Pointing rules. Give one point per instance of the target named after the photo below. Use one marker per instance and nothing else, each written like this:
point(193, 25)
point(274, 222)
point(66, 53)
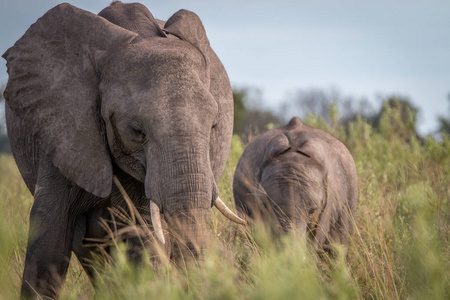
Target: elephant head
point(123, 89)
point(298, 176)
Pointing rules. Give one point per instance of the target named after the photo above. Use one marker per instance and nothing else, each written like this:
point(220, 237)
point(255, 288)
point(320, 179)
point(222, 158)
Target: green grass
point(400, 248)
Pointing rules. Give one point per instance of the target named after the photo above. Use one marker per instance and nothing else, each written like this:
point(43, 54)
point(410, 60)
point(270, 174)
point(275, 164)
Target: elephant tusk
point(227, 212)
point(156, 221)
point(154, 211)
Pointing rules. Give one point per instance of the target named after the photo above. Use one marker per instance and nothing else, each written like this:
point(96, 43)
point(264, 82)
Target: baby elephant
point(299, 177)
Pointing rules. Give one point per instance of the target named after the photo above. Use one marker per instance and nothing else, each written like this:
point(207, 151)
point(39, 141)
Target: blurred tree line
point(444, 121)
point(396, 116)
point(251, 118)
point(4, 142)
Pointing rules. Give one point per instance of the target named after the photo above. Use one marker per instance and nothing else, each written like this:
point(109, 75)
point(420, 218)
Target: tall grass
point(400, 247)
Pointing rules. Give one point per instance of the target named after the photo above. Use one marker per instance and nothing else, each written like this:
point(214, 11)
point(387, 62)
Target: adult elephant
point(119, 94)
point(302, 177)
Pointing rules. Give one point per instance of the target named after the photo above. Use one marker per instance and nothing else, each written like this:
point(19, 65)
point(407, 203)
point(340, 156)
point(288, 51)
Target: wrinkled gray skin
point(298, 176)
point(119, 93)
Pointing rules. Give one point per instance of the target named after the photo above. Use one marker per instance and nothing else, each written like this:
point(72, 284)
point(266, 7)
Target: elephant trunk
point(187, 211)
point(181, 188)
point(295, 194)
point(188, 234)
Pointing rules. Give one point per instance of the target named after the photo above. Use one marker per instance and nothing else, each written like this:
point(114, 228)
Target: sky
point(362, 48)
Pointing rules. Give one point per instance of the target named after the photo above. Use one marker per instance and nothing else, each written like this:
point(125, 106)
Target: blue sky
point(362, 48)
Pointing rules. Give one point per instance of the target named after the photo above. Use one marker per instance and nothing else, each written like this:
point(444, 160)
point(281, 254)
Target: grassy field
point(400, 247)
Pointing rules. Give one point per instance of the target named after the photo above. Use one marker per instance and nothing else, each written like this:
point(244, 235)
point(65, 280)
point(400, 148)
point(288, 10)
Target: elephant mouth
point(155, 212)
point(132, 162)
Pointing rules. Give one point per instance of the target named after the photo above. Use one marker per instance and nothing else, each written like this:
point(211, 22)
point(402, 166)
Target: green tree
point(239, 110)
point(444, 122)
point(397, 118)
point(250, 117)
point(4, 142)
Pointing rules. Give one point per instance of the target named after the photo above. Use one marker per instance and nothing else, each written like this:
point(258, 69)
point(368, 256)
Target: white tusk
point(156, 221)
point(154, 211)
point(227, 212)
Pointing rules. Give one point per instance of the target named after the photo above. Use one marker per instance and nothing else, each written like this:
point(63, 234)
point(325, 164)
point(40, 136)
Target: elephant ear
point(278, 145)
point(187, 26)
point(53, 88)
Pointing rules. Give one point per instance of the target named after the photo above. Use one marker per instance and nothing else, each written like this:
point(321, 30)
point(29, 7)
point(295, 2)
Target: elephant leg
point(49, 246)
point(52, 223)
point(87, 242)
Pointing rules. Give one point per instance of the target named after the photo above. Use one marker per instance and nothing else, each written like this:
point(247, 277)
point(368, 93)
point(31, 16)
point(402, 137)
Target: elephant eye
point(282, 151)
point(138, 133)
point(304, 153)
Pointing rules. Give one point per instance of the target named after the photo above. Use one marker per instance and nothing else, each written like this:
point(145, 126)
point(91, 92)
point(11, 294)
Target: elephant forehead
point(161, 98)
point(160, 56)
point(293, 164)
point(153, 77)
point(319, 141)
